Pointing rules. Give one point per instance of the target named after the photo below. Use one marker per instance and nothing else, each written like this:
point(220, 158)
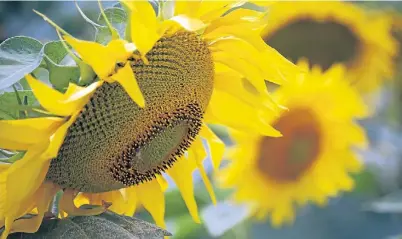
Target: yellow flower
point(190, 68)
point(312, 160)
point(335, 32)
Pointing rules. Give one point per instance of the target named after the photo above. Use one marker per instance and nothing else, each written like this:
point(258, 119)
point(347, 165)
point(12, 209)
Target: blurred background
point(372, 211)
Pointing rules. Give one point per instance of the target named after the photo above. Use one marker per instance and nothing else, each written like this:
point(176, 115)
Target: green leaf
point(118, 18)
point(103, 35)
point(13, 158)
point(187, 228)
point(365, 184)
point(18, 56)
point(178, 208)
point(221, 131)
point(105, 226)
point(60, 75)
point(9, 106)
point(5, 154)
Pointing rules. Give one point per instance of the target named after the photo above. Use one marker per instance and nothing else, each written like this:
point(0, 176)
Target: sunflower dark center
point(322, 43)
point(115, 144)
point(287, 158)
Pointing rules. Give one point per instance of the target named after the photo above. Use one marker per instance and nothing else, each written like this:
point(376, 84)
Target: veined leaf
point(60, 73)
point(18, 56)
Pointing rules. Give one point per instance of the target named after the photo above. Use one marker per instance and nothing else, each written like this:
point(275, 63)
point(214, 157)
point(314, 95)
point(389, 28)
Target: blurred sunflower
point(312, 160)
point(335, 32)
point(145, 114)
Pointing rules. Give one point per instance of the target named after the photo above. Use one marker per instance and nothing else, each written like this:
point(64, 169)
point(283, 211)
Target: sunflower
point(335, 32)
point(312, 160)
point(145, 113)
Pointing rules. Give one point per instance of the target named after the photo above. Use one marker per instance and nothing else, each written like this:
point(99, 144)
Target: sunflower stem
point(23, 113)
point(95, 25)
point(113, 31)
point(51, 22)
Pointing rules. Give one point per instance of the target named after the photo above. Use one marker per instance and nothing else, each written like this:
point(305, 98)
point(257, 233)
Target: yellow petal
point(24, 133)
point(263, 3)
point(57, 139)
point(248, 17)
point(119, 205)
point(48, 98)
point(132, 200)
point(125, 76)
point(144, 10)
point(251, 36)
point(77, 97)
point(120, 50)
point(197, 153)
point(58, 103)
point(189, 8)
point(210, 10)
point(116, 198)
point(43, 198)
point(162, 182)
point(94, 54)
point(40, 199)
point(251, 72)
point(67, 205)
point(73, 89)
point(242, 89)
point(151, 197)
point(144, 27)
point(216, 146)
point(21, 180)
point(83, 199)
point(190, 24)
point(181, 173)
point(4, 167)
point(226, 109)
point(101, 58)
point(242, 49)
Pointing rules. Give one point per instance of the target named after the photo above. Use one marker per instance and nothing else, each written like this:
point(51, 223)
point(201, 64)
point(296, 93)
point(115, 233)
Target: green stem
point(113, 31)
point(51, 23)
point(24, 113)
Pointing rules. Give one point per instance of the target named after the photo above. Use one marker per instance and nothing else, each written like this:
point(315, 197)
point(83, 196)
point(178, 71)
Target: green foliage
point(107, 225)
point(18, 56)
point(117, 17)
point(12, 105)
point(177, 211)
point(59, 74)
point(365, 184)
point(187, 228)
point(12, 157)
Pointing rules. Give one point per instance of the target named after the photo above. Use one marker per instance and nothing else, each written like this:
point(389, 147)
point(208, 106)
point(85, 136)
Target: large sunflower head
point(150, 101)
point(335, 32)
point(313, 158)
